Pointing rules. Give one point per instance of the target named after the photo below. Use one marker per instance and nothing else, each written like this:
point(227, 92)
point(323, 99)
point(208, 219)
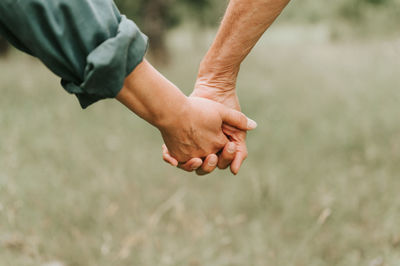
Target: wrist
point(217, 76)
point(172, 113)
point(153, 97)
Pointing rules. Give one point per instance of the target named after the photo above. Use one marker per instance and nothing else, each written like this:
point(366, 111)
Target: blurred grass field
point(320, 187)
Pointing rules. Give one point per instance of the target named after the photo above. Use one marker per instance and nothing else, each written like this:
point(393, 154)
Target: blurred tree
point(155, 17)
point(3, 46)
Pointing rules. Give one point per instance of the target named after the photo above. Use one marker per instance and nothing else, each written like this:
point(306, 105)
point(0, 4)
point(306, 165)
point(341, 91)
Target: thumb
point(237, 119)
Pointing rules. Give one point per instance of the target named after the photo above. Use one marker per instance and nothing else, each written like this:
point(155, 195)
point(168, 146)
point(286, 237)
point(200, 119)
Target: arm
point(242, 26)
point(87, 43)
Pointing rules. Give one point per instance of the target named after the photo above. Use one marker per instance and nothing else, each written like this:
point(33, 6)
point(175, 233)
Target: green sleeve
point(87, 43)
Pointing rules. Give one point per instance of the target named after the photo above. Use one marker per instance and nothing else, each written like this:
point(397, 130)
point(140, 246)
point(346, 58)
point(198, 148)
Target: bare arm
point(243, 24)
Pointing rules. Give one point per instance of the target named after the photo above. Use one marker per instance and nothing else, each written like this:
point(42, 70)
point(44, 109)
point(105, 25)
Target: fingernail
point(231, 148)
point(213, 161)
point(194, 166)
point(251, 124)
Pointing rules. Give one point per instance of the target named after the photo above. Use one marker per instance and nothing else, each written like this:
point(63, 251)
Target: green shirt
point(87, 43)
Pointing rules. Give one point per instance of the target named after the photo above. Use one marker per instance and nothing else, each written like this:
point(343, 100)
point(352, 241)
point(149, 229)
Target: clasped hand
point(194, 128)
point(231, 149)
point(201, 131)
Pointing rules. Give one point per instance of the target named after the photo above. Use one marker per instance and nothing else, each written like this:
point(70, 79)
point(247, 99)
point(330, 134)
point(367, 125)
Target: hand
point(197, 130)
point(235, 152)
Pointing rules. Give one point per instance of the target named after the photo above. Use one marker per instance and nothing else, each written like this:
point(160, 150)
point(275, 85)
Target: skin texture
point(242, 26)
point(190, 126)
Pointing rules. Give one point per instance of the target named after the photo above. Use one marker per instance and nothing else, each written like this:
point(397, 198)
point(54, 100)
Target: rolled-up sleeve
point(87, 43)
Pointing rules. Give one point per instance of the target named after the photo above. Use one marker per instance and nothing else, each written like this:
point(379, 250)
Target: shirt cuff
point(109, 64)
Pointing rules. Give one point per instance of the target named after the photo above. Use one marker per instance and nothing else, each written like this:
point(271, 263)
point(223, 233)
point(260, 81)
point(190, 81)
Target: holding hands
point(198, 131)
point(209, 130)
point(234, 151)
point(242, 26)
point(192, 127)
point(216, 81)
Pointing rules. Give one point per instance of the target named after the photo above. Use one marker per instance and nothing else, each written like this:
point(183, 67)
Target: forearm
point(243, 25)
point(151, 96)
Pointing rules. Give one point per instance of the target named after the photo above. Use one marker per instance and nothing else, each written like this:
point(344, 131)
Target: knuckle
point(229, 156)
point(185, 168)
point(206, 170)
point(223, 166)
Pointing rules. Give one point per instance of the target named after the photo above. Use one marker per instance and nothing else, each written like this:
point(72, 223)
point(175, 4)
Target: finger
point(237, 119)
point(227, 155)
point(209, 165)
point(230, 131)
point(167, 157)
point(237, 162)
point(239, 138)
point(191, 165)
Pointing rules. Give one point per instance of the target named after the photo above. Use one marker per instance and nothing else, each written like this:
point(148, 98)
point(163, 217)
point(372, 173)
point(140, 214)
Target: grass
point(321, 185)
